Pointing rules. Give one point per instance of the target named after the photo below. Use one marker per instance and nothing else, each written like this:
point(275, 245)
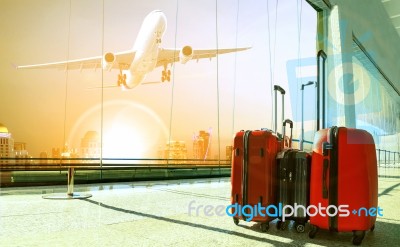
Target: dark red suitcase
point(253, 173)
point(344, 180)
point(294, 168)
point(293, 185)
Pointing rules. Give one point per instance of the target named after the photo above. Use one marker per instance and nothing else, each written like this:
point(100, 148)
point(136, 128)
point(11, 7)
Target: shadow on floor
point(386, 232)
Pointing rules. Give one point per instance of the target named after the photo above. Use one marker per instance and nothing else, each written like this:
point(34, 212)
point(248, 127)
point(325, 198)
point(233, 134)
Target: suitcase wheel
point(313, 231)
point(372, 228)
point(281, 225)
point(236, 221)
point(358, 237)
point(299, 227)
point(264, 227)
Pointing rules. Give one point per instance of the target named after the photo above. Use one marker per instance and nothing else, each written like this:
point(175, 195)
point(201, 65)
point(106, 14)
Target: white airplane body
point(144, 57)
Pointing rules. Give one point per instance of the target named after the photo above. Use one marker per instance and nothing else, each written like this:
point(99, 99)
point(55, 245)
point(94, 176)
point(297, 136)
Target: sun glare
point(130, 130)
point(123, 141)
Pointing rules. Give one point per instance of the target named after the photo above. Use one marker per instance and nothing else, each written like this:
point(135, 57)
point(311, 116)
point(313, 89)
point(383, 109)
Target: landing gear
point(122, 79)
point(165, 74)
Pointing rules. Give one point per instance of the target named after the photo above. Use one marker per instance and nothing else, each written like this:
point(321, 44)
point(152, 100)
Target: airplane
point(145, 55)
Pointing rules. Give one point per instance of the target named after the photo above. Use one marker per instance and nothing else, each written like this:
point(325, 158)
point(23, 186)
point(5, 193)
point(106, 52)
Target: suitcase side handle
point(325, 147)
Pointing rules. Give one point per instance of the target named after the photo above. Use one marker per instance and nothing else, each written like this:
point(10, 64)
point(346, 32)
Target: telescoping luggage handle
point(321, 87)
point(282, 91)
point(302, 110)
point(290, 122)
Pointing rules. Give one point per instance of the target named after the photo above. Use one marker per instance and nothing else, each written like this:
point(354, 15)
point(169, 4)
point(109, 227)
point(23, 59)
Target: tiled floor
point(157, 214)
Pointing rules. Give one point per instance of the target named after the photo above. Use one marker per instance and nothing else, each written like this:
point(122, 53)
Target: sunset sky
point(47, 108)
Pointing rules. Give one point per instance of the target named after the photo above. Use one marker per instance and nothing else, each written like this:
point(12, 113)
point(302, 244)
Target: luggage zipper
point(245, 167)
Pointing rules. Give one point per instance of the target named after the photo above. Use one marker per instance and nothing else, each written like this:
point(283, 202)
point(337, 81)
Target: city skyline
point(90, 147)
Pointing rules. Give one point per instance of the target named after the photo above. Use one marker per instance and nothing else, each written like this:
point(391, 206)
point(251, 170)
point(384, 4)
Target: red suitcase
point(344, 181)
point(253, 175)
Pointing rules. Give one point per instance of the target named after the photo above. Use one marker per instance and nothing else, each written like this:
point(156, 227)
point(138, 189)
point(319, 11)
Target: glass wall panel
point(180, 110)
point(377, 104)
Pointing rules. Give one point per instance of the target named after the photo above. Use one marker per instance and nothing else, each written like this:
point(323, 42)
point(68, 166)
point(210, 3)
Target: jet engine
point(108, 61)
point(185, 54)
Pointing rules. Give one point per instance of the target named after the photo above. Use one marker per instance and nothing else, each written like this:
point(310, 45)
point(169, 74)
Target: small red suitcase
point(344, 181)
point(253, 174)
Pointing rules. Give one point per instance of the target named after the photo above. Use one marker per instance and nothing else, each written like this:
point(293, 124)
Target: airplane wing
point(122, 60)
point(168, 56)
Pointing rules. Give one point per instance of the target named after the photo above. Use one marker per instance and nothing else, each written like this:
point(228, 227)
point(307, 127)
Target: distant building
point(175, 150)
point(6, 144)
point(43, 157)
point(202, 145)
point(21, 152)
point(64, 153)
point(69, 152)
point(90, 145)
point(228, 152)
point(55, 154)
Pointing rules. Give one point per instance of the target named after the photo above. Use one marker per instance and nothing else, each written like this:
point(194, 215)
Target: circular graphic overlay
point(360, 79)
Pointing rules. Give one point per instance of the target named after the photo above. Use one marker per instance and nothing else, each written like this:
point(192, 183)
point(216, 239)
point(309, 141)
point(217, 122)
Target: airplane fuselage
point(145, 55)
point(147, 47)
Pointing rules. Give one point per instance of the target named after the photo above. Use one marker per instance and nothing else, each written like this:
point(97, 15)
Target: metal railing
point(387, 157)
point(388, 163)
point(13, 171)
point(51, 164)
